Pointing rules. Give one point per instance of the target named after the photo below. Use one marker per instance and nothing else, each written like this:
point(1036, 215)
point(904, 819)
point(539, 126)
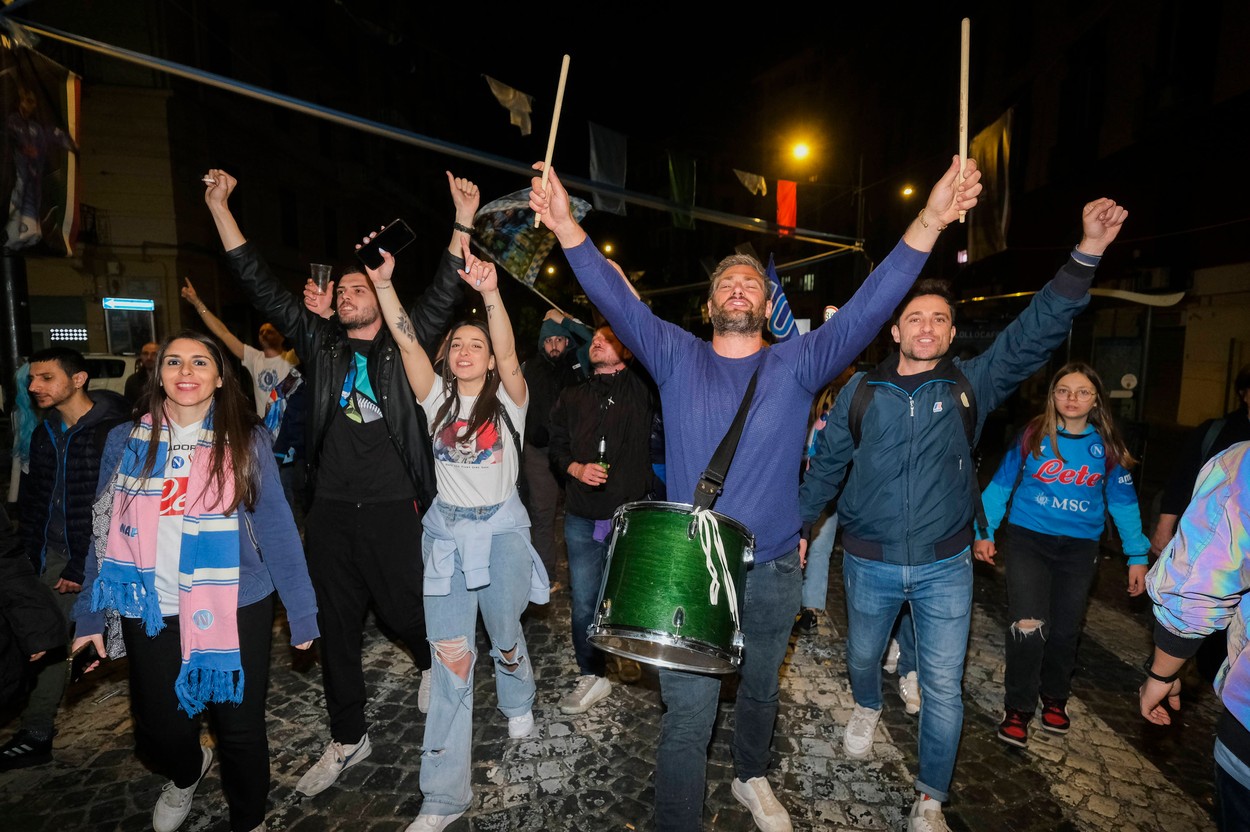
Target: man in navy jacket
point(906, 506)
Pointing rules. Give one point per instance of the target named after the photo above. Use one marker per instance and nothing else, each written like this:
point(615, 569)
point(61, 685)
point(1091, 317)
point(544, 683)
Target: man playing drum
point(701, 386)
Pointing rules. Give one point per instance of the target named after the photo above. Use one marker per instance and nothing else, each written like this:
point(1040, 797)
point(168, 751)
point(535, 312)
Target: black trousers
point(1049, 578)
point(361, 554)
point(168, 740)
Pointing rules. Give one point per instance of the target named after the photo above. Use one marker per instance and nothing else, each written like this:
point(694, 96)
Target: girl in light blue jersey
point(1055, 486)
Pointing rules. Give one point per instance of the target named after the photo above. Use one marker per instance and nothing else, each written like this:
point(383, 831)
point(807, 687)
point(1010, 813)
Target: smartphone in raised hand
point(393, 238)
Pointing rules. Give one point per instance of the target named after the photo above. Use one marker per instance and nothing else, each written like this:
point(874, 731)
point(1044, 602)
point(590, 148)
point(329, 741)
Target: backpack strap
point(860, 400)
point(516, 439)
point(1208, 439)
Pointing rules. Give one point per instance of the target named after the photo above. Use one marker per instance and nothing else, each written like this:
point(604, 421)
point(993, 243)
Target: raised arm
point(430, 313)
point(211, 321)
point(303, 328)
point(482, 276)
point(218, 185)
point(416, 362)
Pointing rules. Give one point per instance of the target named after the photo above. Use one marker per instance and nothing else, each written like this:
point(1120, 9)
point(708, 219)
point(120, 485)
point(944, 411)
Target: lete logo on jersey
point(1052, 470)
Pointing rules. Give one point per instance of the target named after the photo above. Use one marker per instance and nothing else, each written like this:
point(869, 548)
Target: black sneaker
point(806, 622)
point(24, 751)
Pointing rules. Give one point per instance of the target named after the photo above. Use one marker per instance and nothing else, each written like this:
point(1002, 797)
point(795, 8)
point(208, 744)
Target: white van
point(109, 372)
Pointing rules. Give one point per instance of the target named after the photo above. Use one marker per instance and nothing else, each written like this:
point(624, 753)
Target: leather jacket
point(326, 353)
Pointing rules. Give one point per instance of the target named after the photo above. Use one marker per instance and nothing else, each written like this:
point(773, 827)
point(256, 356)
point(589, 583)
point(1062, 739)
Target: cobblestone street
point(1112, 772)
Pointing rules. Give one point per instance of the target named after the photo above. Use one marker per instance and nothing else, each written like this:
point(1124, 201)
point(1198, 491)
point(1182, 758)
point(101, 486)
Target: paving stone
point(595, 771)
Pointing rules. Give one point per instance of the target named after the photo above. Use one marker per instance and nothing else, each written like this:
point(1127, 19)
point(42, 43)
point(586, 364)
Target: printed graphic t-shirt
point(267, 373)
point(479, 469)
point(359, 462)
point(182, 441)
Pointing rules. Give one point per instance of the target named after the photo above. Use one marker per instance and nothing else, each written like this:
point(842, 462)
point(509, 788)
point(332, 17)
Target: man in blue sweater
point(701, 386)
point(906, 507)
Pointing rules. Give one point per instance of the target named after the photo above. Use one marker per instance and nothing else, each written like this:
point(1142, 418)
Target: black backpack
point(967, 397)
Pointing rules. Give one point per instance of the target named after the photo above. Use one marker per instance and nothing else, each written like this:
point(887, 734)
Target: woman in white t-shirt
point(476, 547)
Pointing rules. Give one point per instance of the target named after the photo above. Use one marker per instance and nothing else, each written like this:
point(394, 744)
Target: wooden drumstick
point(963, 103)
point(555, 122)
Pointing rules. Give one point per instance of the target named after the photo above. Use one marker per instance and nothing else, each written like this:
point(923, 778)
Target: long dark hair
point(486, 408)
point(1046, 423)
point(234, 420)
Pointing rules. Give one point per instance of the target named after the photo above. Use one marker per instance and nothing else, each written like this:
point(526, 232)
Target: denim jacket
point(471, 537)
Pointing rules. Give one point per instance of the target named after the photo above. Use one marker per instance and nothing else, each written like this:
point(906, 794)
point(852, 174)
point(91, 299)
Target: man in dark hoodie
point(55, 504)
point(556, 366)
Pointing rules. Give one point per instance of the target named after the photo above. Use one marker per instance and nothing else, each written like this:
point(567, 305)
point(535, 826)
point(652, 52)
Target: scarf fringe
point(131, 600)
point(197, 686)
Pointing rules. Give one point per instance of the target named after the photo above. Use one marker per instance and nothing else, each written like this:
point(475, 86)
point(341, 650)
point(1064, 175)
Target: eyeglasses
point(1084, 394)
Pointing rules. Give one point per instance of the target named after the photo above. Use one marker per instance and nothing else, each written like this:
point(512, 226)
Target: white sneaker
point(757, 795)
point(520, 727)
point(174, 804)
point(891, 657)
point(432, 823)
point(926, 816)
point(335, 758)
point(589, 691)
point(423, 690)
point(909, 689)
point(857, 741)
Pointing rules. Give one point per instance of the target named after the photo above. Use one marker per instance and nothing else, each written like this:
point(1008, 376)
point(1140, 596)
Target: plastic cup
point(321, 275)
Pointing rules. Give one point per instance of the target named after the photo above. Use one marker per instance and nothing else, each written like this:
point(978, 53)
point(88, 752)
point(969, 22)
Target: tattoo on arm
point(405, 327)
point(490, 308)
point(516, 371)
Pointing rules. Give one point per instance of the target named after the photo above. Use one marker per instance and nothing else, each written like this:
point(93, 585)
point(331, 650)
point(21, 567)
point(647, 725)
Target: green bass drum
point(673, 588)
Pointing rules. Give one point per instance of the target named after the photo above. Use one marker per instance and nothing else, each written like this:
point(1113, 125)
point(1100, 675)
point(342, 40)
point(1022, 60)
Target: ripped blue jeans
point(451, 625)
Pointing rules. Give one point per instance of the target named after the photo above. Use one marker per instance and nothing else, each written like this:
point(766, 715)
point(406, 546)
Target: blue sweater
point(1066, 497)
point(700, 391)
point(282, 565)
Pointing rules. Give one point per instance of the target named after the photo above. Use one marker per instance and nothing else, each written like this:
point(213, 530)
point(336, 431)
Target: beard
point(359, 317)
point(738, 322)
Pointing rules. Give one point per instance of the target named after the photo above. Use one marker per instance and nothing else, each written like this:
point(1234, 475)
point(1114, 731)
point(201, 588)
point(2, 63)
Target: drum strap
point(713, 479)
point(710, 540)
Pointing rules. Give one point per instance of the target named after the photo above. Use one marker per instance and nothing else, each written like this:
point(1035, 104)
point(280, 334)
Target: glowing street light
point(908, 190)
point(551, 270)
point(801, 150)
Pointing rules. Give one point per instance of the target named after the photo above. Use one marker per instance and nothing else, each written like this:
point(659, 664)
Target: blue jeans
point(587, 557)
point(771, 601)
point(816, 573)
point(940, 595)
point(446, 754)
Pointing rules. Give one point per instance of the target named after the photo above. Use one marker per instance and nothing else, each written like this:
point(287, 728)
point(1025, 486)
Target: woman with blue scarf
point(195, 501)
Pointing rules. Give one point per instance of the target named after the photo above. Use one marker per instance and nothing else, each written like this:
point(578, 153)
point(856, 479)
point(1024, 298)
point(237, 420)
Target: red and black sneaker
point(1055, 715)
point(1014, 729)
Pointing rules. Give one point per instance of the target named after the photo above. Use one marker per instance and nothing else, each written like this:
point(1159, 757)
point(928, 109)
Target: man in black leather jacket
point(369, 461)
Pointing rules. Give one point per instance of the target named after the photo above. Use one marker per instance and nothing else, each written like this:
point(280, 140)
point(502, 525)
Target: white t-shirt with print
point(476, 470)
point(173, 507)
point(267, 373)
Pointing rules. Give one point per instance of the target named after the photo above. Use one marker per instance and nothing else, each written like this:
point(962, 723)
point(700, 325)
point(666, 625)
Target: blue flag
point(781, 324)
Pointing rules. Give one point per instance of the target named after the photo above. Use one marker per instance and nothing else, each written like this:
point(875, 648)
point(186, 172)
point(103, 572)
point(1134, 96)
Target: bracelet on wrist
point(385, 285)
point(1149, 668)
point(924, 224)
point(464, 229)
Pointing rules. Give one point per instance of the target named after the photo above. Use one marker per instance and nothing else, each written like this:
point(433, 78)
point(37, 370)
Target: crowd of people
point(162, 526)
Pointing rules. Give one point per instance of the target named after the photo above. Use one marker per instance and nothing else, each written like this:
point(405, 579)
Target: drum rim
point(687, 508)
point(666, 639)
